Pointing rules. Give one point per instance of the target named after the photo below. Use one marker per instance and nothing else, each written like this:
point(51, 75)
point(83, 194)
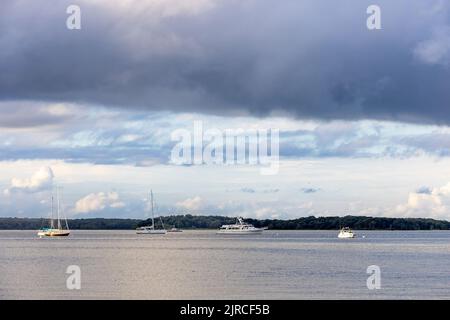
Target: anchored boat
point(346, 233)
point(240, 227)
point(58, 230)
point(151, 229)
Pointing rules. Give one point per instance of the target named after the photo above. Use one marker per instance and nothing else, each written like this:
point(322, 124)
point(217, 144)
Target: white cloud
point(98, 201)
point(265, 213)
point(191, 203)
point(433, 204)
point(40, 180)
point(435, 50)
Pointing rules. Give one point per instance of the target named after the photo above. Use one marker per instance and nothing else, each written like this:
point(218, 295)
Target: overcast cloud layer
point(310, 58)
point(94, 109)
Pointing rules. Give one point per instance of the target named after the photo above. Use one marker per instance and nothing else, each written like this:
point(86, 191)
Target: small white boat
point(346, 233)
point(59, 230)
point(174, 229)
point(240, 227)
point(151, 229)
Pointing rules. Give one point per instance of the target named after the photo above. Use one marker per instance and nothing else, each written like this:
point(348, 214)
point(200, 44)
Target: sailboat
point(58, 230)
point(151, 229)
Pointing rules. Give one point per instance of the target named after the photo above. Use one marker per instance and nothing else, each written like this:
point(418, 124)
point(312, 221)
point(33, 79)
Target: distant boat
point(240, 227)
point(346, 233)
point(174, 229)
point(151, 229)
point(52, 230)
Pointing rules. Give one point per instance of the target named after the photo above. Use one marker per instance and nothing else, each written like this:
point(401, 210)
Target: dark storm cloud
point(309, 59)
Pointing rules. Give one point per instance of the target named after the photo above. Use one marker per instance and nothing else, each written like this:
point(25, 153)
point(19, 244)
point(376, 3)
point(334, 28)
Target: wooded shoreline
point(213, 222)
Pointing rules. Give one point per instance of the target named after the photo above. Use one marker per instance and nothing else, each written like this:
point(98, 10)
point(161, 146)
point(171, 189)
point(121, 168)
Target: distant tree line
point(213, 222)
point(74, 224)
point(354, 222)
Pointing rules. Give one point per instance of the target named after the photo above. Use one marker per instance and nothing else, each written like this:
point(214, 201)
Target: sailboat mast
point(67, 224)
point(153, 215)
point(52, 226)
point(59, 206)
point(63, 214)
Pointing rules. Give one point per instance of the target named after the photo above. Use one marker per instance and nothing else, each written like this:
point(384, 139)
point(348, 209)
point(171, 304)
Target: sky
point(362, 114)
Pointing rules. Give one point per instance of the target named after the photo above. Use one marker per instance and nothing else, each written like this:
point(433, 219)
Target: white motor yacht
point(346, 233)
point(240, 227)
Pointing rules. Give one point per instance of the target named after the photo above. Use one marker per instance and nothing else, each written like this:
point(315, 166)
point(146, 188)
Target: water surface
point(203, 265)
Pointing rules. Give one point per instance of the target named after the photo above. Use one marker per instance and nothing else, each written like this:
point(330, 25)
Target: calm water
point(203, 265)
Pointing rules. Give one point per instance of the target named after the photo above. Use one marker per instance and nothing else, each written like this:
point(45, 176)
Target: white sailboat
point(151, 229)
point(58, 230)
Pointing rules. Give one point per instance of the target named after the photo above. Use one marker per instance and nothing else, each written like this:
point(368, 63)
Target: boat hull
point(53, 234)
point(151, 232)
point(238, 232)
point(346, 236)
